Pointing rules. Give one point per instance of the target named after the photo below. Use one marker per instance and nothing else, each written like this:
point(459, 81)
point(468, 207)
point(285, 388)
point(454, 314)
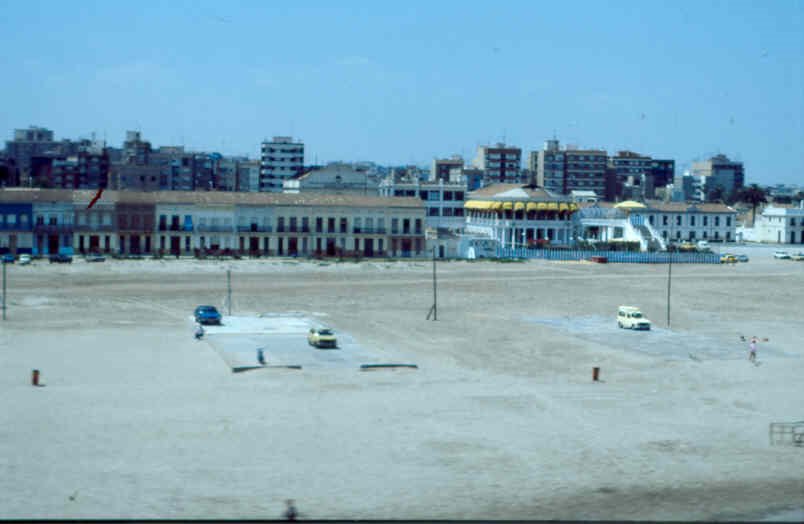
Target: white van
point(630, 317)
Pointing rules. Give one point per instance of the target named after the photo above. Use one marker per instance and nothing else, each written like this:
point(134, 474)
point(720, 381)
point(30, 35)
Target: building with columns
point(520, 216)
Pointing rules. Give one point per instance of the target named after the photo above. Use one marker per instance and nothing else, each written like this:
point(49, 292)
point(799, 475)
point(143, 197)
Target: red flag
point(95, 198)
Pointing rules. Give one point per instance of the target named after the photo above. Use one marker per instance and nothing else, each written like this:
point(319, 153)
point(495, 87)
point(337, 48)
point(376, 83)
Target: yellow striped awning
point(508, 205)
point(563, 206)
point(552, 206)
point(532, 206)
point(519, 206)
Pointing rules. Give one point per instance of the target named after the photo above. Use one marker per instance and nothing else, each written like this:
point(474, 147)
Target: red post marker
point(35, 377)
point(595, 374)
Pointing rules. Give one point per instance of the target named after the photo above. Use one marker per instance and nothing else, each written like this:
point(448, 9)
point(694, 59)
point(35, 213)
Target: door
point(368, 247)
point(175, 245)
point(53, 244)
point(253, 244)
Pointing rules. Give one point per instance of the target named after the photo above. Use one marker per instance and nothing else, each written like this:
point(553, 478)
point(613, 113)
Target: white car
point(630, 317)
point(25, 259)
point(781, 255)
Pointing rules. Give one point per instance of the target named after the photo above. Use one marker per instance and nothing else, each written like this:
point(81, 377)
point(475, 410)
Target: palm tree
point(753, 195)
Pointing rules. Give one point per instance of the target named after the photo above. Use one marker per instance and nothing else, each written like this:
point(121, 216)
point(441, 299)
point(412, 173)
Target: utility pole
point(434, 308)
point(229, 290)
point(669, 280)
point(4, 290)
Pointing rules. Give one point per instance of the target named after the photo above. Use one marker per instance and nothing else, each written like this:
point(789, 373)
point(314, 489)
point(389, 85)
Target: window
point(394, 226)
point(432, 212)
point(305, 224)
point(319, 224)
point(717, 221)
point(343, 225)
point(358, 223)
point(330, 224)
point(459, 195)
point(433, 196)
point(678, 220)
point(293, 224)
point(650, 219)
point(447, 195)
point(458, 212)
point(692, 220)
point(280, 224)
point(381, 225)
point(664, 220)
point(705, 220)
point(447, 211)
point(728, 223)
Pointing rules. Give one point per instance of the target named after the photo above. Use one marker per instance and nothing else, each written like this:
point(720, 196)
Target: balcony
point(254, 228)
point(208, 228)
point(95, 227)
point(53, 228)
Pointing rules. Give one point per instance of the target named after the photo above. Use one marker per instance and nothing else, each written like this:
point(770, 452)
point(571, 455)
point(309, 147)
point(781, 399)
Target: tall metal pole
point(669, 280)
point(435, 302)
point(229, 289)
point(4, 290)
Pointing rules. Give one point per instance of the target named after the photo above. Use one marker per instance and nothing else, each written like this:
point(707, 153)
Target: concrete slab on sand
point(658, 342)
point(283, 339)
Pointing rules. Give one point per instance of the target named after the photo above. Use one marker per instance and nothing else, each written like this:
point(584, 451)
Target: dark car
point(207, 315)
point(95, 257)
point(8, 258)
point(61, 259)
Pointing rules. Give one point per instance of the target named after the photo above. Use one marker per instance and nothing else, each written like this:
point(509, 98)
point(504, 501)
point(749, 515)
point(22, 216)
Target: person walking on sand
point(752, 350)
point(291, 513)
point(199, 332)
point(260, 357)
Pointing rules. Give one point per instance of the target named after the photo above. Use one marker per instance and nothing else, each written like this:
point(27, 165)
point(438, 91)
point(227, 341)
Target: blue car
point(207, 315)
point(8, 258)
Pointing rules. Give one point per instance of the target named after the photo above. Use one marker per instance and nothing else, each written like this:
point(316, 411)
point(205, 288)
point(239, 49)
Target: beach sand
point(501, 420)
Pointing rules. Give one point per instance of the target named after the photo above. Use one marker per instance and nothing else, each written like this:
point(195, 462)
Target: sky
point(403, 82)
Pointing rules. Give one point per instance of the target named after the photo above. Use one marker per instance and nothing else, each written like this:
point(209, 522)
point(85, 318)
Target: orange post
point(595, 373)
point(35, 377)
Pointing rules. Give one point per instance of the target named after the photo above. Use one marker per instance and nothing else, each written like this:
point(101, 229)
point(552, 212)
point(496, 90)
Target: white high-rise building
point(282, 158)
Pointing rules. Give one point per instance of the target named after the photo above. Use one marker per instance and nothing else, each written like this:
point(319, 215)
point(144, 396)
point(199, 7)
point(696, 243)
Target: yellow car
point(322, 338)
point(728, 259)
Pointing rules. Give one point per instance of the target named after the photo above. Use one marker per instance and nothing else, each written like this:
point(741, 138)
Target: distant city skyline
point(402, 84)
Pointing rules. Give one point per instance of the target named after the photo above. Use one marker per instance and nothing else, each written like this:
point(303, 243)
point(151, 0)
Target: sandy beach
point(501, 420)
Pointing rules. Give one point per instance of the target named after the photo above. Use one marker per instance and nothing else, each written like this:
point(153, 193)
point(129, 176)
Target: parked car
point(8, 258)
point(630, 317)
point(207, 315)
point(798, 256)
point(25, 259)
point(728, 258)
point(703, 244)
point(322, 338)
point(742, 258)
point(781, 255)
point(95, 257)
point(61, 259)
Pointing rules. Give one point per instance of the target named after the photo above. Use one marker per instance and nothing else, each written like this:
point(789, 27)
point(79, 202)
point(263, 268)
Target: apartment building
point(500, 163)
point(444, 200)
point(719, 174)
point(281, 159)
point(442, 167)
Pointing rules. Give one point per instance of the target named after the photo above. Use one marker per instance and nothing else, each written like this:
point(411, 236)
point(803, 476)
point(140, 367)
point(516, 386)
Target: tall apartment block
point(281, 159)
point(721, 172)
point(501, 163)
point(564, 170)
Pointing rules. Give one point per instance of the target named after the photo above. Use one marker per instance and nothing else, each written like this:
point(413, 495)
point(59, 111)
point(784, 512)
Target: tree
point(753, 195)
point(715, 194)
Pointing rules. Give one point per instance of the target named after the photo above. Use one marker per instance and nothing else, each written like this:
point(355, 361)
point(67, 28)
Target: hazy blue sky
point(401, 82)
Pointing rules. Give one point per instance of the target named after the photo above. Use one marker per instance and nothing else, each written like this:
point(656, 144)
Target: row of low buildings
point(46, 221)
